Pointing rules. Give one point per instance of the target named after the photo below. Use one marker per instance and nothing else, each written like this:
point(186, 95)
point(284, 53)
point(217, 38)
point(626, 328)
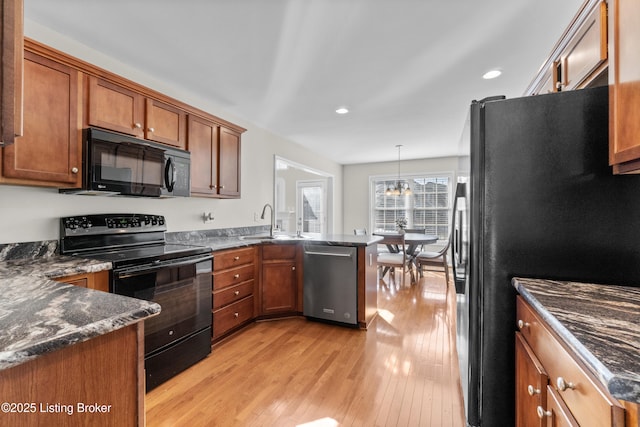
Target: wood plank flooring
point(402, 371)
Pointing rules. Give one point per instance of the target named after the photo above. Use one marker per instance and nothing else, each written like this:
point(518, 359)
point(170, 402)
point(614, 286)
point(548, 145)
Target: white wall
point(32, 214)
point(356, 188)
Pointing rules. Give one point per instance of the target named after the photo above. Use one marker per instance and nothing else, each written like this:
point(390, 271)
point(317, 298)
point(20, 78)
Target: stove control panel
point(111, 224)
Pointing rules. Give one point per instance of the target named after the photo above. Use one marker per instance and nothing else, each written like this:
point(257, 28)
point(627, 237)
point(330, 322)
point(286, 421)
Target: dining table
point(413, 245)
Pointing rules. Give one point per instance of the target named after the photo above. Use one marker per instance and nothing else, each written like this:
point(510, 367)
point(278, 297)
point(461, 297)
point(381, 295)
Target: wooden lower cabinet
point(98, 281)
point(531, 385)
point(574, 396)
point(100, 382)
point(281, 279)
point(234, 286)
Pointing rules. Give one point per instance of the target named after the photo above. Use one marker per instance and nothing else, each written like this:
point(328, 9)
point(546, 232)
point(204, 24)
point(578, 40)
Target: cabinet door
point(531, 385)
point(586, 51)
point(11, 63)
point(279, 287)
point(557, 414)
point(229, 163)
point(166, 124)
point(50, 149)
point(115, 107)
point(203, 144)
point(624, 89)
point(98, 280)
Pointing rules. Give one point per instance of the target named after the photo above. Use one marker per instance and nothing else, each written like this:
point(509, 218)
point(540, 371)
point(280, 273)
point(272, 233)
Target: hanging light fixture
point(400, 188)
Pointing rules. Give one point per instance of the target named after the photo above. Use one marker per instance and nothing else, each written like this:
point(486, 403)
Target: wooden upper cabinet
point(115, 107)
point(215, 159)
point(127, 111)
point(165, 124)
point(581, 57)
point(229, 163)
point(49, 152)
point(624, 86)
point(11, 63)
point(586, 51)
point(203, 145)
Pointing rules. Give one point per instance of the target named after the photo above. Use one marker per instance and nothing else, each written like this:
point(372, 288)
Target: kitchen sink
point(274, 237)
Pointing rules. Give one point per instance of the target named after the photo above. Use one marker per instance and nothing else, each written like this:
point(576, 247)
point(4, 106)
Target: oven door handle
point(139, 270)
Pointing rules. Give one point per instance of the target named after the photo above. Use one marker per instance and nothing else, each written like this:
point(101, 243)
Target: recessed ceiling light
point(491, 74)
point(342, 110)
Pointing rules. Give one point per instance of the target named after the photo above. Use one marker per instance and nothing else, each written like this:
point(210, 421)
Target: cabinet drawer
point(233, 276)
point(585, 397)
point(231, 316)
point(234, 258)
point(232, 294)
point(557, 411)
point(270, 252)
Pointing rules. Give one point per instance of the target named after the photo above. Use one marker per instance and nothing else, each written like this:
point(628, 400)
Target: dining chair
point(393, 260)
point(360, 231)
point(438, 257)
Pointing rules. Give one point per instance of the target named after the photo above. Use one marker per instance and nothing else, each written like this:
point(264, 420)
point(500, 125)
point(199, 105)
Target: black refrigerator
point(542, 203)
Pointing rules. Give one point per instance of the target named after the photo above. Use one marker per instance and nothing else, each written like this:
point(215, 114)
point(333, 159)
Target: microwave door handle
point(170, 174)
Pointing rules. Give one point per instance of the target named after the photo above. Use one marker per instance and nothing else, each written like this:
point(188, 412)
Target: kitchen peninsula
point(223, 241)
point(577, 352)
point(68, 351)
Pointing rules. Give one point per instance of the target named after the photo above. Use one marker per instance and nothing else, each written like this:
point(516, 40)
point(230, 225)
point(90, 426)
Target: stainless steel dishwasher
point(331, 283)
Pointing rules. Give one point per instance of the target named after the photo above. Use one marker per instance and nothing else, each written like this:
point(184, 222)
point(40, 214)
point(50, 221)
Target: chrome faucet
point(273, 218)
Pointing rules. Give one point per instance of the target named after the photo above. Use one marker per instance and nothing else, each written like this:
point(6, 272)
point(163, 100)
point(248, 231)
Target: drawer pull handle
point(236, 258)
point(236, 314)
point(532, 390)
point(562, 384)
point(236, 276)
point(522, 324)
point(236, 293)
point(542, 413)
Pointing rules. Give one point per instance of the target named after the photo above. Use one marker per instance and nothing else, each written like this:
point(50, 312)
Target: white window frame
point(440, 209)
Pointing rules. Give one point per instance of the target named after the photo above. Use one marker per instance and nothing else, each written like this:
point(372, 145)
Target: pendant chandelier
point(400, 188)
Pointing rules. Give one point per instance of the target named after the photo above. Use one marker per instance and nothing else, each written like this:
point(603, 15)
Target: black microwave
point(118, 164)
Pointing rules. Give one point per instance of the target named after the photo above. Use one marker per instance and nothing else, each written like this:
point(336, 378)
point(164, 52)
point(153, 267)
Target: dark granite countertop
point(38, 315)
point(219, 242)
point(600, 323)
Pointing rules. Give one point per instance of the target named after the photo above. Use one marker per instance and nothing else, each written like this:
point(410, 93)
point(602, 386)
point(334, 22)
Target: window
point(427, 207)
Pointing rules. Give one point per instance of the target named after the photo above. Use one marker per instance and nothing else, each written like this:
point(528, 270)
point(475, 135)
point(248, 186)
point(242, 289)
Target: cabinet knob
point(236, 293)
point(236, 276)
point(236, 314)
point(137, 125)
point(522, 324)
point(532, 390)
point(562, 384)
point(293, 269)
point(151, 130)
point(221, 187)
point(213, 187)
point(74, 170)
point(542, 413)
point(236, 258)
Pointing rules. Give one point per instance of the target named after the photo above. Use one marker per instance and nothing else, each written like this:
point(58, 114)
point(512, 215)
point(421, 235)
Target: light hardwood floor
point(402, 371)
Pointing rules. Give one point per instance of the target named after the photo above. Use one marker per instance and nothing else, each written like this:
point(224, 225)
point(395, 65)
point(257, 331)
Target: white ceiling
point(407, 69)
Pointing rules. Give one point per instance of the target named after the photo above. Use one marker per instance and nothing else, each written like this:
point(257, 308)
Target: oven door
point(181, 286)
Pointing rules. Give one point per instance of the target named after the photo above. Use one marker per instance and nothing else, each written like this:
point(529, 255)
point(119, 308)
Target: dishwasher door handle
point(328, 254)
